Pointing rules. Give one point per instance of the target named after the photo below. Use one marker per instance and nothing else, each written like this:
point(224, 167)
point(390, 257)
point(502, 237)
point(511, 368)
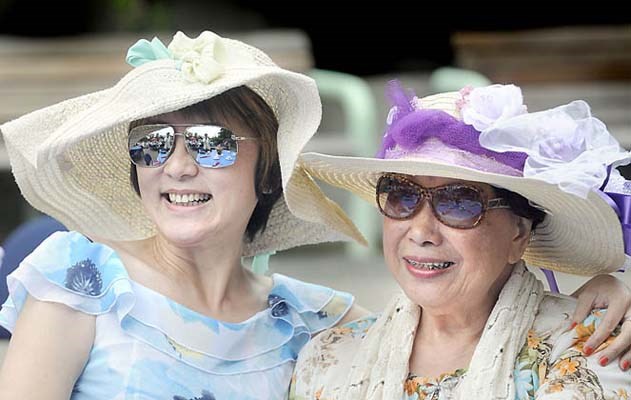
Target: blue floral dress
point(147, 346)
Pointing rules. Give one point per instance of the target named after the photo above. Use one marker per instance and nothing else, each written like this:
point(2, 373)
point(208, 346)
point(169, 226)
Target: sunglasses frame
point(428, 193)
point(237, 139)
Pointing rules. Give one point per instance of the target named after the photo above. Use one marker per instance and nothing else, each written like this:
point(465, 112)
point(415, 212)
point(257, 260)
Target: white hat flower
point(201, 57)
point(485, 106)
point(566, 146)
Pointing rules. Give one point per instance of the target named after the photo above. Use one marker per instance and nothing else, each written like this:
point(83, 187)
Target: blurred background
point(54, 50)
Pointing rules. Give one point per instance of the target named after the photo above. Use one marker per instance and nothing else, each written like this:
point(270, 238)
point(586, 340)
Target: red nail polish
point(573, 325)
point(603, 361)
point(626, 364)
point(588, 350)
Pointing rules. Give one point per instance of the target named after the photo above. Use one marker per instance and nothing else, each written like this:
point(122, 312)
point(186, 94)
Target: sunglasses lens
point(150, 145)
point(397, 199)
point(458, 206)
point(211, 146)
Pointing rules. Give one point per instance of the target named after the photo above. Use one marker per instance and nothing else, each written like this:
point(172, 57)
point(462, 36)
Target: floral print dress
point(550, 365)
point(147, 346)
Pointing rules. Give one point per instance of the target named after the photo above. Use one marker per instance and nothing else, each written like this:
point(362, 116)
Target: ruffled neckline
point(152, 293)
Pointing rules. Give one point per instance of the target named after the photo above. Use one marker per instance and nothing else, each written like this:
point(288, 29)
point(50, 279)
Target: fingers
point(625, 360)
point(584, 305)
point(615, 313)
point(619, 347)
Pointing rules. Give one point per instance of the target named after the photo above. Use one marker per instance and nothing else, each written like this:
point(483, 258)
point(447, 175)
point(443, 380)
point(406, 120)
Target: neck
point(446, 337)
point(209, 279)
point(213, 268)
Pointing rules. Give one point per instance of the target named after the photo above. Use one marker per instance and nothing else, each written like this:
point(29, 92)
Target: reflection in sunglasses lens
point(456, 205)
point(150, 145)
point(210, 146)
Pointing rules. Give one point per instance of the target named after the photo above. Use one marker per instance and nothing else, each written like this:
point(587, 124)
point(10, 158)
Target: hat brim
point(578, 236)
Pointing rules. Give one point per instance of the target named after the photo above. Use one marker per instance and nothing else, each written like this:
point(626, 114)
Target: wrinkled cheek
point(393, 234)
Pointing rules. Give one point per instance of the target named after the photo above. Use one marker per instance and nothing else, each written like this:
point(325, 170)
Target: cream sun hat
point(71, 160)
point(558, 159)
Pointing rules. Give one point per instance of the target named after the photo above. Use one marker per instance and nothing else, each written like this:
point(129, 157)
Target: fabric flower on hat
point(482, 107)
point(144, 51)
point(566, 146)
point(201, 57)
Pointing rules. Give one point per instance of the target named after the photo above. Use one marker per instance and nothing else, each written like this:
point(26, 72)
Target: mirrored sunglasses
point(211, 146)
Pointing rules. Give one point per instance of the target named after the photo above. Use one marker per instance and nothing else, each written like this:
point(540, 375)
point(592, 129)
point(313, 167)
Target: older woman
point(151, 299)
point(471, 186)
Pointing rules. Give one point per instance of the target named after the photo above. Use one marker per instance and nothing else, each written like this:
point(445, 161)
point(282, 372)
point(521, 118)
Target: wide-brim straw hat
point(581, 234)
point(71, 160)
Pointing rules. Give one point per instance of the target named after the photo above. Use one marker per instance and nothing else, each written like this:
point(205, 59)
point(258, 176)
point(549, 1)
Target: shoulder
point(69, 256)
point(67, 268)
point(32, 363)
point(554, 311)
point(325, 361)
point(319, 307)
point(341, 338)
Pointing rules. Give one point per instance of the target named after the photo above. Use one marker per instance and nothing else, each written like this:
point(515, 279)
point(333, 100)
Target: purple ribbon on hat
point(621, 204)
point(411, 127)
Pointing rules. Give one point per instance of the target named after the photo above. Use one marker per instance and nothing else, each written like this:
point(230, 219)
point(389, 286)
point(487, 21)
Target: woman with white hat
point(472, 187)
point(156, 303)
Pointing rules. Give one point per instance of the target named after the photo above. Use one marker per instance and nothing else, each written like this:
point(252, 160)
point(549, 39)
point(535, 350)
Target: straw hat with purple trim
point(558, 159)
point(71, 159)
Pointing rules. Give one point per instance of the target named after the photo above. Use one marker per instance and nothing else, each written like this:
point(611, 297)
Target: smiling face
point(190, 204)
point(440, 267)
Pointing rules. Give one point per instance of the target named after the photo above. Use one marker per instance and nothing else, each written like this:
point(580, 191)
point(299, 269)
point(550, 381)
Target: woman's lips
point(426, 268)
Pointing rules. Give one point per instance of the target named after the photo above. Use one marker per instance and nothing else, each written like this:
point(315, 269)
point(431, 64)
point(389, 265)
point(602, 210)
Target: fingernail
point(603, 361)
point(626, 364)
point(588, 350)
point(573, 325)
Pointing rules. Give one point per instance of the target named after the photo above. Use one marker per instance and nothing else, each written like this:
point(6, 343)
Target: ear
point(521, 239)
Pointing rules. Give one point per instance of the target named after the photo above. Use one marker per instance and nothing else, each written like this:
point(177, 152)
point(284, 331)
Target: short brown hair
point(243, 105)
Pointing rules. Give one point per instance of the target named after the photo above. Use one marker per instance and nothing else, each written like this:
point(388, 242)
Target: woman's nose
point(180, 163)
point(424, 228)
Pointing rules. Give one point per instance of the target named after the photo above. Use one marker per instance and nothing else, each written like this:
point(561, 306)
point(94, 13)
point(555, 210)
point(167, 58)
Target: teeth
point(430, 266)
point(189, 199)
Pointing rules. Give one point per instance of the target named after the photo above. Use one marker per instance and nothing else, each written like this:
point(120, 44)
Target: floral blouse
point(147, 346)
point(550, 365)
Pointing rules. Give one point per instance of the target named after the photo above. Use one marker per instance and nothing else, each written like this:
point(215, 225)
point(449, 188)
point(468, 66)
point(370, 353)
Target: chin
point(185, 237)
point(425, 299)
point(423, 293)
